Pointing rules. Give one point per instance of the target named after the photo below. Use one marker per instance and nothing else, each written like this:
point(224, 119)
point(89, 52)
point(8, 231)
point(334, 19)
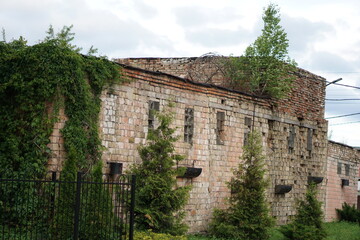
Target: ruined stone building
point(213, 122)
point(343, 173)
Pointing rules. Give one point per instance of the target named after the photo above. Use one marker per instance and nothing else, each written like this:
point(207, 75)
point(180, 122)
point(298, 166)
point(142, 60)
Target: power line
point(342, 99)
point(335, 124)
point(344, 85)
point(340, 116)
point(341, 72)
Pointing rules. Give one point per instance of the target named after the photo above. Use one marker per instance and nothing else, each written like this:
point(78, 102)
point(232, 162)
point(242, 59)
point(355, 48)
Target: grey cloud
point(200, 26)
point(195, 17)
point(302, 32)
point(100, 28)
point(144, 9)
point(212, 37)
point(328, 62)
point(123, 37)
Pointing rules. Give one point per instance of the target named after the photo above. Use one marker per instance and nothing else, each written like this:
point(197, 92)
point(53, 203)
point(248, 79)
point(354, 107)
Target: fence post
point(132, 207)
point(77, 206)
point(52, 195)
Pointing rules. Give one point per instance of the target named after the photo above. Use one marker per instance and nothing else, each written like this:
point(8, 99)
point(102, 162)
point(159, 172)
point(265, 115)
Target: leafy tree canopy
point(265, 68)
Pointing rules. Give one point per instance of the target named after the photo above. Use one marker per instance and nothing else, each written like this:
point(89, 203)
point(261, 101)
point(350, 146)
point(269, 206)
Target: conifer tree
point(308, 222)
point(159, 201)
point(248, 214)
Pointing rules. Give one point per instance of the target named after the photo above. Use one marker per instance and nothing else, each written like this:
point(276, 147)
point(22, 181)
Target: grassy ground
point(335, 230)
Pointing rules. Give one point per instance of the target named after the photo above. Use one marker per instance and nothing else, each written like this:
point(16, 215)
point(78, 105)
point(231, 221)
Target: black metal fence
point(62, 210)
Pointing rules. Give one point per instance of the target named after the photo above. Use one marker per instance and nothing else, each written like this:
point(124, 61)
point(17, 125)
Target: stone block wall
point(342, 163)
point(124, 125)
point(306, 100)
point(293, 165)
point(291, 153)
point(56, 144)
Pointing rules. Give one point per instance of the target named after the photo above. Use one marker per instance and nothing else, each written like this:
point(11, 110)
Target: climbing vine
point(35, 82)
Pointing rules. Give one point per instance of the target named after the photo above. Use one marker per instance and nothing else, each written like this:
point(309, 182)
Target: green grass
point(342, 231)
point(335, 230)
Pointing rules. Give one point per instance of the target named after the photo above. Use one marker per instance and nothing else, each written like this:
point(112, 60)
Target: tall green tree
point(159, 201)
point(308, 222)
point(248, 216)
point(265, 69)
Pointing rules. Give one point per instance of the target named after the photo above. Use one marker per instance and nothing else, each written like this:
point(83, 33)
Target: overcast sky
point(324, 35)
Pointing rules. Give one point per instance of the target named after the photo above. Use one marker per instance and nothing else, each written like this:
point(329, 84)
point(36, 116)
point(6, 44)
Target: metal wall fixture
point(344, 182)
point(316, 180)
point(282, 189)
point(191, 172)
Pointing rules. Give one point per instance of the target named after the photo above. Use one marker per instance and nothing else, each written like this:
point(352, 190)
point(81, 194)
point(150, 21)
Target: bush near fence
point(57, 209)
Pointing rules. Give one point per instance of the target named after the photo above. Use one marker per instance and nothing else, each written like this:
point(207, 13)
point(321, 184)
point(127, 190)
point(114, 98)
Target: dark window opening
point(189, 125)
point(339, 168)
point(291, 139)
point(248, 123)
point(309, 139)
point(220, 129)
point(153, 107)
point(347, 169)
point(271, 124)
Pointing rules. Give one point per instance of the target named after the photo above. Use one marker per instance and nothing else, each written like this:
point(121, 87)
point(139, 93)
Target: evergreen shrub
point(159, 200)
point(308, 222)
point(348, 213)
point(248, 215)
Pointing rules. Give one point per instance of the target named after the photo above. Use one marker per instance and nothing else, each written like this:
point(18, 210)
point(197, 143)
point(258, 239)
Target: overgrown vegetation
point(159, 201)
point(265, 69)
point(149, 235)
point(334, 230)
point(35, 82)
point(349, 213)
point(248, 214)
point(308, 221)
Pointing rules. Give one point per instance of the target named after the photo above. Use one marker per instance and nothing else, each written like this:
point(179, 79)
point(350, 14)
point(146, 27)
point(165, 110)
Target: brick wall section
point(336, 194)
point(306, 100)
point(123, 123)
point(124, 126)
point(56, 144)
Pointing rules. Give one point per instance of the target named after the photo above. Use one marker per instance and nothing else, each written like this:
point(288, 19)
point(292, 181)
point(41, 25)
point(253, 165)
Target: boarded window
point(347, 169)
point(220, 129)
point(153, 107)
point(291, 138)
point(271, 124)
point(248, 122)
point(189, 125)
point(309, 139)
point(339, 168)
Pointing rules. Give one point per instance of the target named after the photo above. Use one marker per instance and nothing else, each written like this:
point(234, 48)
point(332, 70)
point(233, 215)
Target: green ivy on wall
point(35, 82)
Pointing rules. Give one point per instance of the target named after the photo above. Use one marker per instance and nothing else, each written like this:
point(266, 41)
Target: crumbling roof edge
point(345, 145)
point(318, 77)
point(189, 81)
